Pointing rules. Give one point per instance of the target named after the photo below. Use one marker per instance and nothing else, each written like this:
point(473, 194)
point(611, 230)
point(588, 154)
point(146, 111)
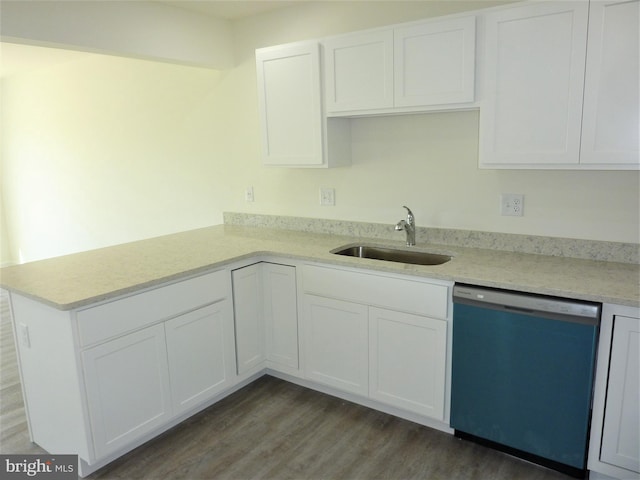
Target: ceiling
point(230, 9)
point(19, 58)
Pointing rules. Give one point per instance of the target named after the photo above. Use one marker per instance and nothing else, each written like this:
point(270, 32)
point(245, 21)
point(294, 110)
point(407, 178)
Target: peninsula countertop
point(84, 278)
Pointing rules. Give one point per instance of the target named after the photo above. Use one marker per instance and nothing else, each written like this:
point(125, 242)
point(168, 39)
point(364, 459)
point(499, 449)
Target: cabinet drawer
point(115, 318)
point(402, 294)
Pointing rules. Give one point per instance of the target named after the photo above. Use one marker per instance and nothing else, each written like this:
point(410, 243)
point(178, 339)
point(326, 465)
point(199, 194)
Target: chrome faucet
point(409, 226)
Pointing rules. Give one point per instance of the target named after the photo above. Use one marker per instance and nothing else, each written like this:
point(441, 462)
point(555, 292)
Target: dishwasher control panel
point(526, 302)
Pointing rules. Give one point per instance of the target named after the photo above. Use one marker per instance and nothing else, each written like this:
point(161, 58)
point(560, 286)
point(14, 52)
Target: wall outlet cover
point(512, 204)
point(327, 196)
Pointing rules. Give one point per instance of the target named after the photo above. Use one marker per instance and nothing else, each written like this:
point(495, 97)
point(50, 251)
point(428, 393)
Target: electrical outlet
point(248, 194)
point(512, 204)
point(327, 196)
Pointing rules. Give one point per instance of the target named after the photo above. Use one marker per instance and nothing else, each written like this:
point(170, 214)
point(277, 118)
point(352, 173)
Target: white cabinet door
point(359, 71)
point(281, 315)
point(621, 431)
point(408, 361)
point(128, 389)
point(249, 319)
point(533, 84)
point(289, 100)
point(611, 126)
point(336, 344)
point(434, 63)
point(200, 352)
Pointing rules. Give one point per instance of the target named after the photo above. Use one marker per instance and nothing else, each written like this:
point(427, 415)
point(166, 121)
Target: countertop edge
point(246, 242)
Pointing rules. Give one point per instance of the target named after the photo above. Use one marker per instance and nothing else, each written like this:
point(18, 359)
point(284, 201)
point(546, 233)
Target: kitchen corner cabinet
point(413, 67)
point(560, 86)
point(266, 318)
point(384, 337)
point(248, 318)
point(615, 429)
point(295, 131)
point(281, 316)
point(100, 380)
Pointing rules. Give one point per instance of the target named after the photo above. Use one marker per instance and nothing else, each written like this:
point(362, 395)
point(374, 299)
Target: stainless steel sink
point(390, 254)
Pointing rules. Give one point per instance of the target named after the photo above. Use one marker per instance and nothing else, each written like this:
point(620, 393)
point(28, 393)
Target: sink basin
point(390, 254)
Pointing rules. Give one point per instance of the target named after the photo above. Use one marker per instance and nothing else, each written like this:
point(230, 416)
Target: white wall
point(134, 28)
point(107, 150)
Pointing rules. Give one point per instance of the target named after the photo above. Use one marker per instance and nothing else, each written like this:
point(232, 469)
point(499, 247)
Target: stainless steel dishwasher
point(522, 374)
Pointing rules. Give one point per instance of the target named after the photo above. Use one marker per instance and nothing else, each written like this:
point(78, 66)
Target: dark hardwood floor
point(273, 429)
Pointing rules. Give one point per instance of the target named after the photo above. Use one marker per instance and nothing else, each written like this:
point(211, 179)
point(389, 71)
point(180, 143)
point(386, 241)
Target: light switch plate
point(23, 335)
point(248, 194)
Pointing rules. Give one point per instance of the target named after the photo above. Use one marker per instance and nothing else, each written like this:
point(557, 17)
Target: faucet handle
point(409, 212)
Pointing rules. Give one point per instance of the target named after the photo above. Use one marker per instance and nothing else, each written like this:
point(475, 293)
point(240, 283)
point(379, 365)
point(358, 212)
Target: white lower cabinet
point(266, 317)
point(380, 336)
point(102, 379)
point(615, 432)
point(279, 295)
point(336, 344)
point(407, 361)
point(128, 388)
point(138, 382)
point(248, 318)
point(200, 354)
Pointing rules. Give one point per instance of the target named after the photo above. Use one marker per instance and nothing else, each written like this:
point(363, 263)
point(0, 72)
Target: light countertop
point(80, 279)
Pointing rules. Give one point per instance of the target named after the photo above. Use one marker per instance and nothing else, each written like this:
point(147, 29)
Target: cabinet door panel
point(336, 343)
point(408, 361)
point(621, 431)
point(249, 319)
point(281, 314)
point(359, 71)
point(128, 391)
point(435, 63)
point(199, 355)
point(533, 85)
point(290, 104)
point(611, 125)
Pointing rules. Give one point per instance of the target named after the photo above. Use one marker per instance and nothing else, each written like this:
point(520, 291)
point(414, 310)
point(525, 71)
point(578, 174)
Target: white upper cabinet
point(290, 105)
point(560, 86)
point(533, 84)
point(409, 68)
point(435, 63)
point(289, 100)
point(610, 124)
point(359, 71)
